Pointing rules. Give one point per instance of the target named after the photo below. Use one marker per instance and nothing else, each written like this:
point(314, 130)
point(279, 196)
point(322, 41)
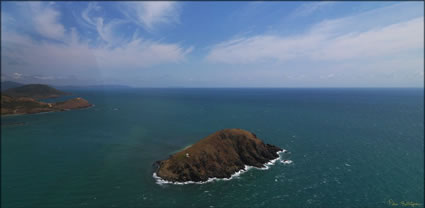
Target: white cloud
point(80, 55)
point(108, 31)
point(365, 49)
point(146, 14)
point(17, 75)
point(328, 76)
point(322, 43)
point(46, 20)
point(45, 77)
point(263, 48)
point(86, 14)
point(371, 19)
point(391, 39)
point(139, 54)
point(77, 56)
point(152, 13)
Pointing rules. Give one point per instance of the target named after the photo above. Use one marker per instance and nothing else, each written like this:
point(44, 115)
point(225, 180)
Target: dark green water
point(349, 147)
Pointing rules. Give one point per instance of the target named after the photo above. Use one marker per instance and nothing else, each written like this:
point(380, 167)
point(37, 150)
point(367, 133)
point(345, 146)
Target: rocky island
point(23, 100)
point(219, 155)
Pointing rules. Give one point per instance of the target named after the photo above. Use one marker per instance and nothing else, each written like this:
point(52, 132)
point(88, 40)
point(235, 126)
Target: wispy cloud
point(126, 42)
point(78, 56)
point(263, 48)
point(73, 54)
point(395, 38)
point(324, 41)
point(87, 12)
point(17, 75)
point(149, 14)
point(46, 20)
point(108, 30)
point(328, 76)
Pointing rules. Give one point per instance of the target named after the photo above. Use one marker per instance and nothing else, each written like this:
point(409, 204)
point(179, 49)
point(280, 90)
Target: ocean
point(349, 147)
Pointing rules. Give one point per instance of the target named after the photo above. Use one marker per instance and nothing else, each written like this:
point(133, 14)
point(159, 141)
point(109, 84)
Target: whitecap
point(161, 181)
point(287, 162)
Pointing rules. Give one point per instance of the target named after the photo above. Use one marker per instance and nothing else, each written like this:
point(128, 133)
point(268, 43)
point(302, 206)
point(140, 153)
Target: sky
point(214, 44)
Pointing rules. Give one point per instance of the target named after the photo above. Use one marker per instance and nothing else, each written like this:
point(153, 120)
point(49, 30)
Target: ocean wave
point(271, 162)
point(161, 181)
point(267, 165)
point(287, 162)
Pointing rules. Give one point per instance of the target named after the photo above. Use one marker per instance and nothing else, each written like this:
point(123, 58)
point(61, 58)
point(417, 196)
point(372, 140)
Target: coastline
point(55, 111)
point(160, 181)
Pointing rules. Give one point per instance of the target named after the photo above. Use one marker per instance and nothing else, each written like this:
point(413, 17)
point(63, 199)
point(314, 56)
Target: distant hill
point(36, 91)
point(93, 87)
point(9, 84)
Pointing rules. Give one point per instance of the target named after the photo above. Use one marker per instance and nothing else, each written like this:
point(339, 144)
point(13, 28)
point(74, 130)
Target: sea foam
point(267, 165)
point(286, 161)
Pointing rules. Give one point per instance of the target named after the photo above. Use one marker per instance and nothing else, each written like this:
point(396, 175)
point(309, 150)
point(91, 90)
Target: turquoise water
point(349, 147)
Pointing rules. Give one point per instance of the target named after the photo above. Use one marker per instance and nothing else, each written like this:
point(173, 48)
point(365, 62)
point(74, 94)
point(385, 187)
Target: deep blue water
point(349, 147)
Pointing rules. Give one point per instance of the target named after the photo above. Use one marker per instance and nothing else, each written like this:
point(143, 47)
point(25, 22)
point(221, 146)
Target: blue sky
point(214, 44)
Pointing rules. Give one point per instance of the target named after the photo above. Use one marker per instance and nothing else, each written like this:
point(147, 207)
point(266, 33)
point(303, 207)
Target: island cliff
point(219, 155)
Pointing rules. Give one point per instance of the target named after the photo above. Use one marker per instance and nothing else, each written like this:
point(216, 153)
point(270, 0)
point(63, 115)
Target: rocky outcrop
point(219, 155)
